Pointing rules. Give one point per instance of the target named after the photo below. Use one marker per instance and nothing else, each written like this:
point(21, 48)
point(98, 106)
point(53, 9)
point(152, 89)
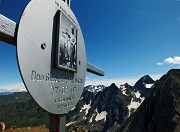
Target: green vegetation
point(20, 110)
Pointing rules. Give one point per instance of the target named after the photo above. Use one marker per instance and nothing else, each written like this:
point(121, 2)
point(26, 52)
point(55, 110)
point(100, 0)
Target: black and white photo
point(67, 47)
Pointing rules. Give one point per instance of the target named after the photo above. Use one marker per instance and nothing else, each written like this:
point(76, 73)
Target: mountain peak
point(146, 79)
point(143, 85)
point(174, 72)
point(126, 85)
point(113, 85)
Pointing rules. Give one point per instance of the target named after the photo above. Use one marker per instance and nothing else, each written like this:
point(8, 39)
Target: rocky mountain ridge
point(110, 108)
point(160, 111)
point(100, 107)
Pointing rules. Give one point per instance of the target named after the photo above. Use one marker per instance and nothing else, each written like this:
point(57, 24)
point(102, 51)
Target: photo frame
point(66, 43)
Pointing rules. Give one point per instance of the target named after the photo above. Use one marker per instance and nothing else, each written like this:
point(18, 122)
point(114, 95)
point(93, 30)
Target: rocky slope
point(100, 111)
point(160, 112)
point(105, 108)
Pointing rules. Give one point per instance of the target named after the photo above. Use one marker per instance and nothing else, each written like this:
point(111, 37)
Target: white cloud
point(156, 76)
point(118, 81)
point(17, 87)
point(159, 63)
point(107, 82)
point(170, 60)
point(175, 60)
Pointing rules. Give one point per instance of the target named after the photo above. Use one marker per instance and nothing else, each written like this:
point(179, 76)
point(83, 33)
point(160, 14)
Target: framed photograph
point(66, 54)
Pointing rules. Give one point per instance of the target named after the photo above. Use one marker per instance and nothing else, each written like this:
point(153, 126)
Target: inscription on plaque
point(54, 78)
point(62, 90)
point(64, 102)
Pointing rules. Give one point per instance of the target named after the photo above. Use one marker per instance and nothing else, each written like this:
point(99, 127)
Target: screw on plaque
point(79, 62)
point(43, 46)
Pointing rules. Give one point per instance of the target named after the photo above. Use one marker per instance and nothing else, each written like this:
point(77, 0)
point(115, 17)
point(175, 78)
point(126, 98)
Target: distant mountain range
point(147, 106)
point(5, 93)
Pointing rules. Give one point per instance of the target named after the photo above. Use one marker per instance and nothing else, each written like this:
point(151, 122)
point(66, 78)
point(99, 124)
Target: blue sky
point(125, 38)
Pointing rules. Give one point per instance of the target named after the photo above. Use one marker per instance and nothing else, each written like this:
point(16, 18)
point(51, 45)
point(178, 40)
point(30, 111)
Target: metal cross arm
point(93, 69)
point(8, 31)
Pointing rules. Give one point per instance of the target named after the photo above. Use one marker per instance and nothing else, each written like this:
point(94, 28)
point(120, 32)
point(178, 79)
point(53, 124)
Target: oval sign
point(51, 55)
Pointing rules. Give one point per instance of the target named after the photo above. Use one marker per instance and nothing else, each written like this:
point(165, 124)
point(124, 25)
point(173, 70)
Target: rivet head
point(43, 46)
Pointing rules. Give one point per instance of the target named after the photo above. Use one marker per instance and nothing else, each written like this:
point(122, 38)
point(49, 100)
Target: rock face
point(160, 112)
point(143, 85)
point(100, 111)
point(104, 108)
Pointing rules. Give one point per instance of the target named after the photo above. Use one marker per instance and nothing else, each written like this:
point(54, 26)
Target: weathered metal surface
point(93, 69)
point(7, 30)
point(56, 89)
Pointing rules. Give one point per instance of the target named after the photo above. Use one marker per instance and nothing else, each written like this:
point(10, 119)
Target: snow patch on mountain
point(101, 116)
point(149, 85)
point(98, 116)
point(86, 107)
point(68, 124)
point(123, 90)
point(137, 94)
point(134, 105)
point(90, 121)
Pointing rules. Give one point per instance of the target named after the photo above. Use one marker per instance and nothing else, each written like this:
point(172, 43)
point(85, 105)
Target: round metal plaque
point(51, 55)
